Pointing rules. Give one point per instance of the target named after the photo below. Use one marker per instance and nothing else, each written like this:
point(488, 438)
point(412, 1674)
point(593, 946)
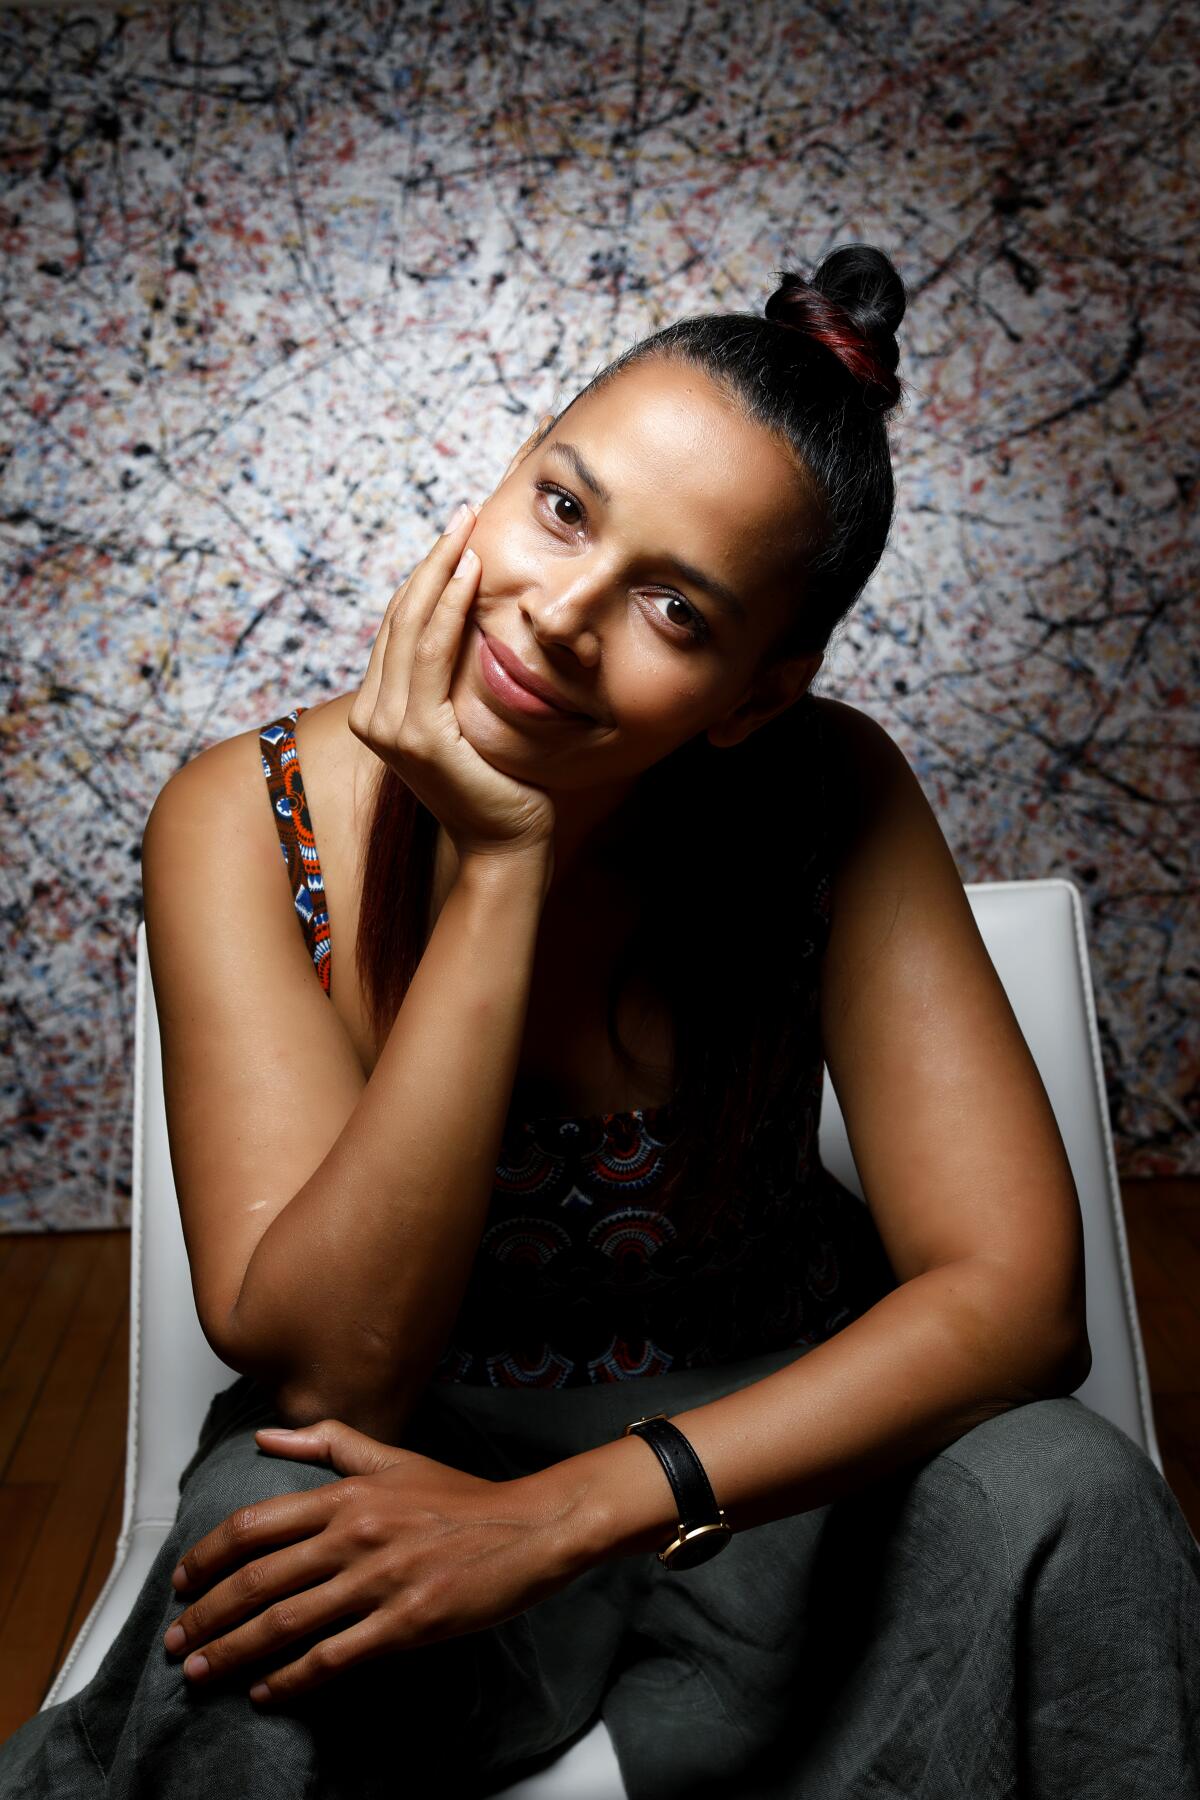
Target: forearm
point(936, 1356)
point(353, 1289)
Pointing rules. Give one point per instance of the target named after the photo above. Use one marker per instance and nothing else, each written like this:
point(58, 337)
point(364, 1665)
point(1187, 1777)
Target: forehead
point(680, 458)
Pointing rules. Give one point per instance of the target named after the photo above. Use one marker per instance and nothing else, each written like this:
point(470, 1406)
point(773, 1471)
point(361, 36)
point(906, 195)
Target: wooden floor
point(64, 1354)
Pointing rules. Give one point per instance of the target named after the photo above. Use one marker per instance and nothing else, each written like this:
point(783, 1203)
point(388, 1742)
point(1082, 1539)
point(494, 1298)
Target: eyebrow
point(717, 590)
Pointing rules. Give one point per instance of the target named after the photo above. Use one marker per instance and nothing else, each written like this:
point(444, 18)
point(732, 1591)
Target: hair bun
point(853, 305)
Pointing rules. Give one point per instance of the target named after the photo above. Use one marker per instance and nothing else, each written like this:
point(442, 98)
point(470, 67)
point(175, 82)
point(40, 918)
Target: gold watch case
point(691, 1548)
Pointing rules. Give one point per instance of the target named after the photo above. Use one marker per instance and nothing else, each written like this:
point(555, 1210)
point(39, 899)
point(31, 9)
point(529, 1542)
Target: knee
point(239, 1473)
point(1052, 1461)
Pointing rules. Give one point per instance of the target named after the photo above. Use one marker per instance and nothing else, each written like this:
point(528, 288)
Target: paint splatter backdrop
point(278, 284)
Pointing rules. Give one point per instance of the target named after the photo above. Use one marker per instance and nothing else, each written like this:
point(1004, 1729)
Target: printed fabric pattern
point(281, 766)
point(578, 1278)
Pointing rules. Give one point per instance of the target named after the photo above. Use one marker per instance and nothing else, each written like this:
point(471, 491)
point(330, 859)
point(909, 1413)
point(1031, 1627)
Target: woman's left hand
point(403, 1551)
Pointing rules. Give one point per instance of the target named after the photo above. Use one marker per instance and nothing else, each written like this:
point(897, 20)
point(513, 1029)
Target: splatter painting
point(280, 283)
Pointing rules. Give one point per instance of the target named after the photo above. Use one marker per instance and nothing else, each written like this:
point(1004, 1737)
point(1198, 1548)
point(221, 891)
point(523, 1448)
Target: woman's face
point(605, 594)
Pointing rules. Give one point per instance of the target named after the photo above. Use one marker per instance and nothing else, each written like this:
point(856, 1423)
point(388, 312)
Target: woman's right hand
point(403, 710)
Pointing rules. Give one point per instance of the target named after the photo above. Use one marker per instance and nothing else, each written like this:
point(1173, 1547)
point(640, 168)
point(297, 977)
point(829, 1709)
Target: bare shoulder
point(221, 793)
point(866, 770)
point(850, 725)
point(893, 875)
point(883, 832)
point(212, 806)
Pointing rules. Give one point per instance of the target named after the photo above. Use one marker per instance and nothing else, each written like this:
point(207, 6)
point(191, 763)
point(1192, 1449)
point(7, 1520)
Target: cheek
point(512, 549)
point(660, 707)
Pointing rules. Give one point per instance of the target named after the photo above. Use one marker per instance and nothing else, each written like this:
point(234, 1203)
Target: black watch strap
point(702, 1527)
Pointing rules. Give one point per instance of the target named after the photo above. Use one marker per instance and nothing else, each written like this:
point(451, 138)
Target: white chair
point(1034, 933)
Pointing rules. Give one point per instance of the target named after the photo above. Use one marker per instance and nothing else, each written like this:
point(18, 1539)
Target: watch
point(703, 1532)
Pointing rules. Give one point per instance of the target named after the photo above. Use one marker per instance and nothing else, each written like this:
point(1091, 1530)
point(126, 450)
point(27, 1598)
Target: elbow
point(1062, 1366)
point(1069, 1350)
point(381, 1413)
point(385, 1419)
point(1074, 1364)
point(1041, 1312)
point(296, 1409)
point(362, 1383)
point(1036, 1347)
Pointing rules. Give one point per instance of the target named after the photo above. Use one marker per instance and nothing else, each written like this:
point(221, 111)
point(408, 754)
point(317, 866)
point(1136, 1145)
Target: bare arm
point(935, 1357)
point(331, 1219)
point(352, 1290)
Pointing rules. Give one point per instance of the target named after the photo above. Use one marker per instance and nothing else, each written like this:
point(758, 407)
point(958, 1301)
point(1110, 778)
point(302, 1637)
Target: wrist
point(612, 1501)
point(528, 865)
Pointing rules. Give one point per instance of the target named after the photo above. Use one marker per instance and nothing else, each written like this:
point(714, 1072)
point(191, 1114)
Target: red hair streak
point(826, 322)
point(850, 348)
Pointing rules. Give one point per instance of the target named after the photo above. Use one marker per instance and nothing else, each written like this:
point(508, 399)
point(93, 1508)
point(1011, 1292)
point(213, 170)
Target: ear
point(544, 424)
point(777, 688)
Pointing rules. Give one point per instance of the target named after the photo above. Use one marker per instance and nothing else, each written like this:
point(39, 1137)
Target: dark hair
point(817, 370)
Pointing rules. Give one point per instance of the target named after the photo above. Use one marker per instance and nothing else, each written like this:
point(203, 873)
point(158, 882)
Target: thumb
point(331, 1441)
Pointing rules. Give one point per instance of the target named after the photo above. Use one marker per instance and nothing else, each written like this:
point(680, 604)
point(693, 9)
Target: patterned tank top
point(577, 1278)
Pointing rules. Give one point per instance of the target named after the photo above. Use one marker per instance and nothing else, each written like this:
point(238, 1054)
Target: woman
point(553, 1128)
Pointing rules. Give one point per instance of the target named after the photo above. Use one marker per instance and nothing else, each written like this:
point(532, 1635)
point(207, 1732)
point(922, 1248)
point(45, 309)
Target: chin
point(495, 739)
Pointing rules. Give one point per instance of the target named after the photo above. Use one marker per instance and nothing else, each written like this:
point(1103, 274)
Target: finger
point(405, 622)
point(436, 650)
point(442, 552)
point(247, 1591)
point(280, 1520)
point(364, 703)
point(358, 1643)
point(418, 654)
point(331, 1441)
point(431, 574)
point(273, 1632)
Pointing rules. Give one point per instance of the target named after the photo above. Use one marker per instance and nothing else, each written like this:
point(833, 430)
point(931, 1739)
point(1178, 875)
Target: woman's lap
point(1005, 1617)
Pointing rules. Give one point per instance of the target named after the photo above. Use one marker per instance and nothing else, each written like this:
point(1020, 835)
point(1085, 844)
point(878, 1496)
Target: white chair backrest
point(173, 1372)
point(1034, 934)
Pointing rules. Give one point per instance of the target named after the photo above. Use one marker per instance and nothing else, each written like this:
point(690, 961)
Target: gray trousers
point(1017, 1615)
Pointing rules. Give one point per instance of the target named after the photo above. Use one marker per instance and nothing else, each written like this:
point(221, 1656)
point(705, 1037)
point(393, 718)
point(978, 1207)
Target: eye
point(696, 625)
point(560, 495)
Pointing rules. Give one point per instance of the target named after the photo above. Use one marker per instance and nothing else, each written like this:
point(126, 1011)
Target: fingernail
point(179, 1577)
point(275, 1430)
point(465, 561)
point(196, 1665)
point(461, 512)
point(260, 1691)
point(176, 1638)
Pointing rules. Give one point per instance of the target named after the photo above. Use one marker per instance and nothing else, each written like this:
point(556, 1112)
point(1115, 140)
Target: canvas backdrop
point(280, 283)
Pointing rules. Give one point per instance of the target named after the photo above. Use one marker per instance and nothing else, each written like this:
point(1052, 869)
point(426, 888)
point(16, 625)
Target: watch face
point(700, 1548)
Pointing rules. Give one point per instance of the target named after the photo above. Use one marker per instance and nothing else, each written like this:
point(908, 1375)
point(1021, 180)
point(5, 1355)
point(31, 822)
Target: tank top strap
point(289, 809)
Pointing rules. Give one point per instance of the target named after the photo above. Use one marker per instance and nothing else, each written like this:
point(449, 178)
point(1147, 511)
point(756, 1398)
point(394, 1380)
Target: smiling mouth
point(517, 697)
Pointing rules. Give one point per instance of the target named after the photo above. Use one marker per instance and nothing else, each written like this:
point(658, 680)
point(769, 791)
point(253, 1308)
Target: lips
point(511, 663)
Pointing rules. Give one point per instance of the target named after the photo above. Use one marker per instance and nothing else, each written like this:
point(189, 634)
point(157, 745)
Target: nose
point(568, 613)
